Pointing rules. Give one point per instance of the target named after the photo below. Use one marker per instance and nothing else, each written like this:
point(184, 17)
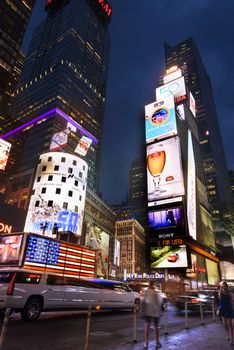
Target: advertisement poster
point(160, 119)
point(212, 272)
point(180, 112)
point(83, 145)
point(168, 257)
point(59, 140)
point(10, 249)
point(191, 190)
point(175, 88)
point(59, 195)
point(4, 153)
point(166, 218)
point(164, 170)
point(117, 253)
point(99, 240)
point(192, 104)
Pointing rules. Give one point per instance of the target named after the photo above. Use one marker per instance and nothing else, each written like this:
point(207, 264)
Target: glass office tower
point(65, 68)
point(14, 18)
point(186, 56)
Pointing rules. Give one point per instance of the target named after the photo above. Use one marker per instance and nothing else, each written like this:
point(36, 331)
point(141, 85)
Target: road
point(109, 330)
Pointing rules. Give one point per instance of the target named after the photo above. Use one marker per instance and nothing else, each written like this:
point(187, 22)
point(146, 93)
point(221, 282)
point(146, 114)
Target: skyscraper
point(65, 74)
point(186, 56)
point(14, 17)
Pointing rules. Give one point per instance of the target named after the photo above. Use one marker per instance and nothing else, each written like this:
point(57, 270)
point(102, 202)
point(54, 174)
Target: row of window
point(63, 160)
point(63, 179)
point(50, 203)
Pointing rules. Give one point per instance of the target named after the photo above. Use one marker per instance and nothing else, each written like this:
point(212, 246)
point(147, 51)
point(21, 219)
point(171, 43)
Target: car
point(31, 292)
point(173, 257)
point(193, 299)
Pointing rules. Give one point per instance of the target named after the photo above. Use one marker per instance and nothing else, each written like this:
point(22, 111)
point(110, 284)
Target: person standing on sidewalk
point(152, 302)
point(227, 310)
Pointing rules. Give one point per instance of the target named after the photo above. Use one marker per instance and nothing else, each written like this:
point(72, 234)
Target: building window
point(63, 159)
point(37, 203)
point(39, 161)
point(50, 203)
point(76, 182)
point(83, 167)
point(58, 190)
point(50, 178)
point(70, 193)
point(76, 209)
point(74, 162)
point(70, 170)
point(65, 205)
point(43, 190)
point(80, 174)
point(80, 198)
point(56, 168)
point(49, 159)
point(38, 179)
point(44, 168)
point(63, 179)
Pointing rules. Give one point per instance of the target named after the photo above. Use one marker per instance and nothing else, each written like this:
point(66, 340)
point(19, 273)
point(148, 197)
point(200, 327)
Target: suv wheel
point(32, 309)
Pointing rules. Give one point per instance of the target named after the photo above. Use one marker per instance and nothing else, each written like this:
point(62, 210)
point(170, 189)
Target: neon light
point(48, 115)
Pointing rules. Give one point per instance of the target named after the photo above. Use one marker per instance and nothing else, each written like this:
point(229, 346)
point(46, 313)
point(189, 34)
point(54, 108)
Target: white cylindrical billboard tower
point(58, 197)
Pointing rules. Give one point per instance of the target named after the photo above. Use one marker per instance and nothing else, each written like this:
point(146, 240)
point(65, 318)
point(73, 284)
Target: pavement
point(210, 336)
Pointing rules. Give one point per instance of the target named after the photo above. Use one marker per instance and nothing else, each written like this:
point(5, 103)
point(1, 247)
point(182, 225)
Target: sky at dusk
point(138, 30)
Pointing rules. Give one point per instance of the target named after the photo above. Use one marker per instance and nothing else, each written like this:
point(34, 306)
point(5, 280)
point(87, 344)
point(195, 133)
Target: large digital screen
point(168, 257)
point(4, 153)
point(164, 170)
point(175, 88)
point(160, 119)
point(70, 260)
point(166, 218)
point(192, 104)
point(10, 249)
point(191, 190)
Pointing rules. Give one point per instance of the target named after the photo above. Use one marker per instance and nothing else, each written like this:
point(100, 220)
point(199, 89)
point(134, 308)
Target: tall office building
point(63, 80)
point(186, 56)
point(14, 18)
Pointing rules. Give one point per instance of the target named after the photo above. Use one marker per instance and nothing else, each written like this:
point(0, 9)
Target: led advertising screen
point(191, 190)
point(166, 218)
point(10, 249)
point(117, 253)
point(70, 260)
point(192, 104)
point(4, 153)
point(83, 145)
point(160, 119)
point(168, 257)
point(175, 88)
point(59, 140)
point(180, 112)
point(171, 74)
point(164, 170)
point(98, 239)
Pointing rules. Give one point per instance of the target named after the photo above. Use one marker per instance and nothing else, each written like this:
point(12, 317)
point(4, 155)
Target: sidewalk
point(211, 336)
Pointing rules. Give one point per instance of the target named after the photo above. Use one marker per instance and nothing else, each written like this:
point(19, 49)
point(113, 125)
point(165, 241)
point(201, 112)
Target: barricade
point(4, 327)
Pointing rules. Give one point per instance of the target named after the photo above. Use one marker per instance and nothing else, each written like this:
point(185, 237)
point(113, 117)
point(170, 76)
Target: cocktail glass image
point(156, 160)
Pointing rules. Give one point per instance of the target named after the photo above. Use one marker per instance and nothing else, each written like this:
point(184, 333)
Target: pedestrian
point(226, 309)
point(152, 307)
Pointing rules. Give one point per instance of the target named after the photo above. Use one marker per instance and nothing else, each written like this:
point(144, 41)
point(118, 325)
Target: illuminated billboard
point(212, 272)
point(192, 104)
point(10, 249)
point(171, 74)
point(191, 189)
point(4, 153)
point(59, 140)
point(117, 253)
point(180, 112)
point(52, 256)
point(98, 239)
point(83, 145)
point(166, 218)
point(168, 257)
point(160, 119)
point(164, 170)
point(176, 88)
point(59, 194)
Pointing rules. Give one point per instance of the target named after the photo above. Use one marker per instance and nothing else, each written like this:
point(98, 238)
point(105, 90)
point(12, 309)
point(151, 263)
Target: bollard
point(87, 329)
point(134, 340)
point(4, 327)
point(213, 311)
point(166, 320)
point(186, 315)
point(201, 313)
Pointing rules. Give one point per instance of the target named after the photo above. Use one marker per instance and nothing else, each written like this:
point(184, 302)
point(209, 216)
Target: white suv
point(30, 292)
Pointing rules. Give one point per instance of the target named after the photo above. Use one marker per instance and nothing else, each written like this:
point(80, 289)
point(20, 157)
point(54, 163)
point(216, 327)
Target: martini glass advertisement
point(164, 170)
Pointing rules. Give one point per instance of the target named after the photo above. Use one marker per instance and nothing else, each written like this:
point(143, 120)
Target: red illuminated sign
point(106, 7)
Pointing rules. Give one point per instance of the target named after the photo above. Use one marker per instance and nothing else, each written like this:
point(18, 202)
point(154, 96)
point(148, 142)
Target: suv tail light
point(11, 287)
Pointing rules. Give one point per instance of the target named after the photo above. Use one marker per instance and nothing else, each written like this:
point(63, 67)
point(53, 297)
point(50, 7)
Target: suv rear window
point(5, 277)
point(28, 277)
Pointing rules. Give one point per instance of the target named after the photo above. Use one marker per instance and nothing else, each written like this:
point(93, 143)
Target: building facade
point(14, 18)
point(65, 68)
point(186, 56)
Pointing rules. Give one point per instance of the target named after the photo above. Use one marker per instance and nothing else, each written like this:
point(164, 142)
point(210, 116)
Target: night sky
point(138, 31)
